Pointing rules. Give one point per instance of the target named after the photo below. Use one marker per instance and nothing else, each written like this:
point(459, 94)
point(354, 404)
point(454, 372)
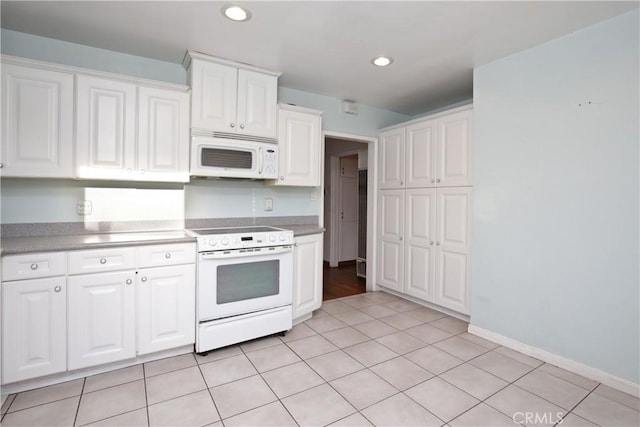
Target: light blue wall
point(556, 169)
point(202, 198)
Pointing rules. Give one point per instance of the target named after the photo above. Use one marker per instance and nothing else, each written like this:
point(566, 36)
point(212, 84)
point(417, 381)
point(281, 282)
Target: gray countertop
point(32, 244)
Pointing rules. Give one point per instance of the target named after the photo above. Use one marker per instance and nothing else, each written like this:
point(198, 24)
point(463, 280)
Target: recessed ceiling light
point(236, 13)
point(381, 61)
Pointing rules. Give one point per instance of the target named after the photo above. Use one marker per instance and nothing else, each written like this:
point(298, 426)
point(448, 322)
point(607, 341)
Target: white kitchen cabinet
point(37, 122)
point(101, 317)
point(300, 147)
point(429, 152)
point(453, 248)
point(163, 135)
point(105, 128)
point(34, 335)
point(391, 207)
point(165, 307)
point(230, 98)
point(131, 132)
point(424, 244)
point(307, 275)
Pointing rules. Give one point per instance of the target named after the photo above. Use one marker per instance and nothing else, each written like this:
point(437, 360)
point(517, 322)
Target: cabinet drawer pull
point(129, 281)
point(103, 260)
point(57, 288)
point(167, 255)
point(143, 279)
point(34, 266)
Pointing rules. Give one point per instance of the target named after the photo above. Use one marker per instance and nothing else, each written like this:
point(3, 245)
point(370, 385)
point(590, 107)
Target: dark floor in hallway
point(341, 281)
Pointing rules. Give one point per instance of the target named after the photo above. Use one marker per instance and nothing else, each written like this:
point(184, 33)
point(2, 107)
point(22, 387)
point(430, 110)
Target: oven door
point(243, 281)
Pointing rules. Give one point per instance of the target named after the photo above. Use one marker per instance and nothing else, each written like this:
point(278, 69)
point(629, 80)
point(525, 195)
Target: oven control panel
point(245, 240)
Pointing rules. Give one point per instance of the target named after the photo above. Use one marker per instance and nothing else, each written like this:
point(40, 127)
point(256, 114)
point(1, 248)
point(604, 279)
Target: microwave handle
point(260, 160)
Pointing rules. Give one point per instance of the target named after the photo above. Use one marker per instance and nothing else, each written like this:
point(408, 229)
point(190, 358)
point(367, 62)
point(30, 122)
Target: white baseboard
point(605, 378)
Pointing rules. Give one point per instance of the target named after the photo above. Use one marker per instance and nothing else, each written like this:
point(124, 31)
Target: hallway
point(341, 281)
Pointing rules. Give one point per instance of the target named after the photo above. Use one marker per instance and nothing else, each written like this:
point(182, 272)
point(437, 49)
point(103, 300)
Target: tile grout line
point(215, 406)
point(146, 397)
point(75, 419)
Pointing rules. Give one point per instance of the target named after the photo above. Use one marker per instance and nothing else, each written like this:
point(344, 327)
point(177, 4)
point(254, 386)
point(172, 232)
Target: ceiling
point(325, 47)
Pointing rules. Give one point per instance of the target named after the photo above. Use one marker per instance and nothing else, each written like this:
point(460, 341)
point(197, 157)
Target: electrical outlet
point(84, 207)
point(268, 204)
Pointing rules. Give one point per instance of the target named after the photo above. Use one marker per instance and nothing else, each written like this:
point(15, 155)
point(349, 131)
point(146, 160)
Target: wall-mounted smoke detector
point(349, 107)
point(236, 13)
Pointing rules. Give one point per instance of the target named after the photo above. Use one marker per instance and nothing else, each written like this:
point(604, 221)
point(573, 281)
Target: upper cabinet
point(37, 122)
point(229, 98)
point(431, 152)
point(129, 132)
point(125, 129)
point(300, 148)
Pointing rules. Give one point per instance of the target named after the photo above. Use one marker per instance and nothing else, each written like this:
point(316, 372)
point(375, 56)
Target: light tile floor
point(370, 359)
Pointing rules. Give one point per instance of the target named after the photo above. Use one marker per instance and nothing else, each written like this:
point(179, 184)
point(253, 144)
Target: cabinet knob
point(1, 165)
point(400, 237)
point(142, 171)
point(282, 178)
point(103, 260)
point(129, 281)
point(241, 126)
point(401, 183)
point(431, 242)
point(433, 180)
point(34, 266)
point(129, 170)
point(143, 279)
point(438, 180)
point(57, 288)
point(232, 125)
point(437, 243)
point(167, 255)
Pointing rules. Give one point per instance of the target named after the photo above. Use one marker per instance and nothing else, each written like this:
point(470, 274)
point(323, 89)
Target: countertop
point(32, 244)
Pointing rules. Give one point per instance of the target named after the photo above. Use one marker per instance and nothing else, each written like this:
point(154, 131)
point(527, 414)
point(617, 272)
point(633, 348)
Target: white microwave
point(231, 158)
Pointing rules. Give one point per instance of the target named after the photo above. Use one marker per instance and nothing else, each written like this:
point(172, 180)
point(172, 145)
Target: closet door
point(419, 243)
point(390, 243)
point(420, 165)
point(392, 158)
point(454, 150)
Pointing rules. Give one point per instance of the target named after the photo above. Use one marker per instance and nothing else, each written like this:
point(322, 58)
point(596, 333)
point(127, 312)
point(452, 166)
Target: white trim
point(293, 107)
point(428, 117)
point(427, 304)
point(595, 374)
point(191, 54)
point(61, 68)
point(81, 373)
point(372, 195)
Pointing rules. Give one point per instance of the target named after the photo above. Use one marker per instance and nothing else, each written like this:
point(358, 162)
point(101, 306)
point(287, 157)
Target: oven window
point(240, 282)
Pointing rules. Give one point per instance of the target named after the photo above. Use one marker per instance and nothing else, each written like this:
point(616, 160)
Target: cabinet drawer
point(173, 254)
point(97, 260)
point(32, 266)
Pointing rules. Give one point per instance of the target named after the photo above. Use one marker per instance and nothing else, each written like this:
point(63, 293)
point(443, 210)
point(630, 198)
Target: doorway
point(345, 217)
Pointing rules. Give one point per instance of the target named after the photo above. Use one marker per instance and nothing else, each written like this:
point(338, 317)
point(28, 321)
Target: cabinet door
point(300, 149)
point(37, 122)
point(106, 124)
point(453, 240)
point(420, 163)
point(454, 150)
point(34, 319)
point(214, 96)
point(257, 104)
point(392, 158)
point(419, 243)
point(307, 275)
point(101, 310)
point(163, 135)
point(166, 299)
point(390, 230)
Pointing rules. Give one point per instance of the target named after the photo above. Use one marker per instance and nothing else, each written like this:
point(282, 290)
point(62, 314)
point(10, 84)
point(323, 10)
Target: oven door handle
point(243, 253)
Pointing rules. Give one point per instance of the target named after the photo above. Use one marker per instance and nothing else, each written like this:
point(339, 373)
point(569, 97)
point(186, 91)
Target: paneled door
point(299, 145)
point(391, 246)
point(257, 104)
point(453, 241)
point(35, 343)
point(392, 158)
point(454, 150)
point(420, 166)
point(101, 310)
point(214, 98)
point(307, 275)
point(420, 242)
point(37, 122)
point(106, 129)
point(348, 231)
point(166, 307)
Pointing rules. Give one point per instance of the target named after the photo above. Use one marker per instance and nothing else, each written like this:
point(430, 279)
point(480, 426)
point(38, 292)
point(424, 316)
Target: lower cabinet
point(166, 307)
point(34, 335)
point(102, 316)
point(307, 275)
point(424, 240)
